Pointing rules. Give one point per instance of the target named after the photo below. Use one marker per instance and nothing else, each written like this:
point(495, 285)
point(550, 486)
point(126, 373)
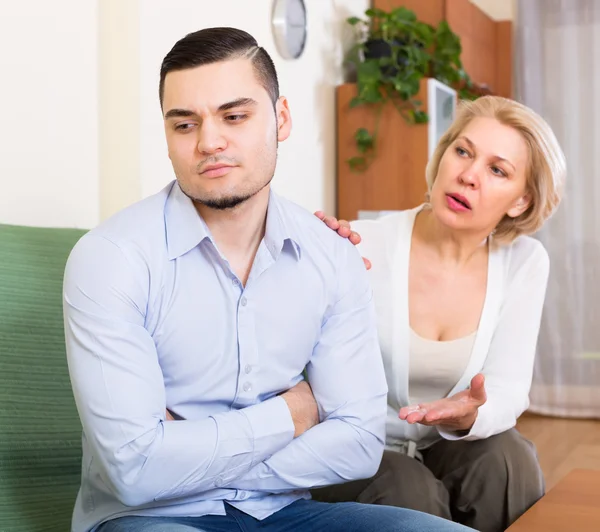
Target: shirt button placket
point(246, 342)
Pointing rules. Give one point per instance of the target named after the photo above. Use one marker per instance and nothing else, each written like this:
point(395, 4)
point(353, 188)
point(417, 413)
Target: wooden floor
point(562, 444)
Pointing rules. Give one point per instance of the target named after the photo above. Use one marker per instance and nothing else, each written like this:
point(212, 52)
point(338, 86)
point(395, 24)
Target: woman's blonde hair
point(546, 169)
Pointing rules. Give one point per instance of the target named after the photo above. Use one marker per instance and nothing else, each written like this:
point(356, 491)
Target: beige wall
point(497, 9)
point(49, 125)
point(119, 107)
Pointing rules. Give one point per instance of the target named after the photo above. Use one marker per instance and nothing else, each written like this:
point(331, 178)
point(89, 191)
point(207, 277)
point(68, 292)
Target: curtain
point(557, 73)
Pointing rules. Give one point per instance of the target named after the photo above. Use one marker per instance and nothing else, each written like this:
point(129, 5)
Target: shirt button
point(247, 386)
point(244, 301)
point(235, 282)
point(219, 482)
point(248, 368)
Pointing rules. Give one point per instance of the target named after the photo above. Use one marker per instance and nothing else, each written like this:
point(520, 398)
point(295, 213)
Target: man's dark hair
point(212, 45)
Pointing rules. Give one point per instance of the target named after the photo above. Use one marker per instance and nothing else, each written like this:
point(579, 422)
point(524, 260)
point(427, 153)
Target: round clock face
point(289, 27)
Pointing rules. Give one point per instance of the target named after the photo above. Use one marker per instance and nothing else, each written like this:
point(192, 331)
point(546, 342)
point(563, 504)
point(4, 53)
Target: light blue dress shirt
point(155, 318)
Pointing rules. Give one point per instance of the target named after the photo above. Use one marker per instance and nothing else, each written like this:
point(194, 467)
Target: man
point(191, 316)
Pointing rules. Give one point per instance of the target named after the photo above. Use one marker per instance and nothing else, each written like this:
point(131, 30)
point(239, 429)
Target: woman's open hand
point(458, 412)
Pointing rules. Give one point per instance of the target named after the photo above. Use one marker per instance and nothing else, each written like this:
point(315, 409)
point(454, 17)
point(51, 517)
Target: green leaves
point(399, 52)
point(355, 102)
point(375, 13)
point(420, 117)
point(369, 72)
point(446, 65)
point(365, 143)
point(403, 14)
point(447, 42)
point(364, 140)
point(358, 164)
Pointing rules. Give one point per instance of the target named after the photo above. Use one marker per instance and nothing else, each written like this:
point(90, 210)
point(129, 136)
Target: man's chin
point(223, 203)
point(220, 201)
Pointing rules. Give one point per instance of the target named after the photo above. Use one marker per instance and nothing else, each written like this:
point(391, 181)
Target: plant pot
point(378, 48)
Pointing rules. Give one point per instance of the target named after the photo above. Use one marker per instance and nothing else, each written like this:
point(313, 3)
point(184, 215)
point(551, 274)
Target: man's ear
point(284, 119)
point(520, 206)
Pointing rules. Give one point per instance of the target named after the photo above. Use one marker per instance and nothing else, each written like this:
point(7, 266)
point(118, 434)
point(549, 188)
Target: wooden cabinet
point(392, 181)
point(504, 59)
point(396, 178)
point(486, 45)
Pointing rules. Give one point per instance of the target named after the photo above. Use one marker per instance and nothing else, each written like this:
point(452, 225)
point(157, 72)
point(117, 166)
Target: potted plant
point(394, 51)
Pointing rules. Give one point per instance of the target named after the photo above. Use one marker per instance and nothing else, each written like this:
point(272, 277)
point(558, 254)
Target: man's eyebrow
point(186, 113)
point(238, 102)
point(179, 113)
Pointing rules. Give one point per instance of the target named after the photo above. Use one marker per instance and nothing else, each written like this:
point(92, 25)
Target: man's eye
point(183, 127)
point(235, 118)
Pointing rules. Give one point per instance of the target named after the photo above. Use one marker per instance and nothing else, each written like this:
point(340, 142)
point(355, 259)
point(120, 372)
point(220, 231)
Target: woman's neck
point(451, 246)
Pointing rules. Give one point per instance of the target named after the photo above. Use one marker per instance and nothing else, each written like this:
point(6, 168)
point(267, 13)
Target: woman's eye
point(462, 152)
point(499, 172)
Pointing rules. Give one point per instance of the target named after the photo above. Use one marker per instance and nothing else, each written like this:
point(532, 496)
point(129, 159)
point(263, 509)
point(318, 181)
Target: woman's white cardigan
point(505, 345)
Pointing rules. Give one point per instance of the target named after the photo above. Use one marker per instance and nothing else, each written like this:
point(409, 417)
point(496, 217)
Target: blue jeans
point(302, 515)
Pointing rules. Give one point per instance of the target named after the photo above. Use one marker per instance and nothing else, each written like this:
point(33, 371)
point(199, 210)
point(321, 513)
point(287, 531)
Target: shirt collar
point(185, 228)
point(278, 230)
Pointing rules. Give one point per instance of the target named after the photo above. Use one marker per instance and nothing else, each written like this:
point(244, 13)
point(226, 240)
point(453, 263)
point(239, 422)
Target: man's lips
point(216, 170)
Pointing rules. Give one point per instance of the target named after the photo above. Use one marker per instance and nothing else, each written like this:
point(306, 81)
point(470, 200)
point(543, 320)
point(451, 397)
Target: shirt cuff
point(272, 427)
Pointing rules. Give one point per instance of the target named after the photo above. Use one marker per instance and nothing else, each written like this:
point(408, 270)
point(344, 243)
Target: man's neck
point(238, 232)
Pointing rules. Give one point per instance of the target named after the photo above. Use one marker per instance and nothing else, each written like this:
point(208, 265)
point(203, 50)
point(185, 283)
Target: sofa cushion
point(40, 432)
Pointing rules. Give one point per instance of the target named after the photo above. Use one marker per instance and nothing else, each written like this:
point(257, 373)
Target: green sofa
point(40, 432)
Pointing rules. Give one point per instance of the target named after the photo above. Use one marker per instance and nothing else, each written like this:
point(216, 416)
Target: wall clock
point(289, 27)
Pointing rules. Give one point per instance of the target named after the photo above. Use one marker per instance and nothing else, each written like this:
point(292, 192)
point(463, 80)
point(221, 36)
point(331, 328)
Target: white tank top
point(436, 366)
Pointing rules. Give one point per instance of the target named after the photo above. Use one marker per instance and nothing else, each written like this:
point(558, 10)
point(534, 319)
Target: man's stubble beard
point(223, 204)
point(228, 202)
point(232, 201)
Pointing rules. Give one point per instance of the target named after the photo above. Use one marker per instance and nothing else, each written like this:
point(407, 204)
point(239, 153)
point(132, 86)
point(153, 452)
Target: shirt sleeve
point(120, 393)
point(508, 368)
point(348, 382)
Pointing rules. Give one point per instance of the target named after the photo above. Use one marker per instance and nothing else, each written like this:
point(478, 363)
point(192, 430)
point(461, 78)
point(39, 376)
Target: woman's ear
point(520, 206)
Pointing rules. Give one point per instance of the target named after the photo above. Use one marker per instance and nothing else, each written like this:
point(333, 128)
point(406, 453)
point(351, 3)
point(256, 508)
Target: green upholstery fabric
point(40, 432)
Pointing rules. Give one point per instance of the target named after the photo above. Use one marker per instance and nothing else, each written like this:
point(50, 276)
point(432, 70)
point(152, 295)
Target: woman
point(459, 289)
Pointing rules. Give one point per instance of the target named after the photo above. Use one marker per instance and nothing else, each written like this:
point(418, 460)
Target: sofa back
point(40, 432)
